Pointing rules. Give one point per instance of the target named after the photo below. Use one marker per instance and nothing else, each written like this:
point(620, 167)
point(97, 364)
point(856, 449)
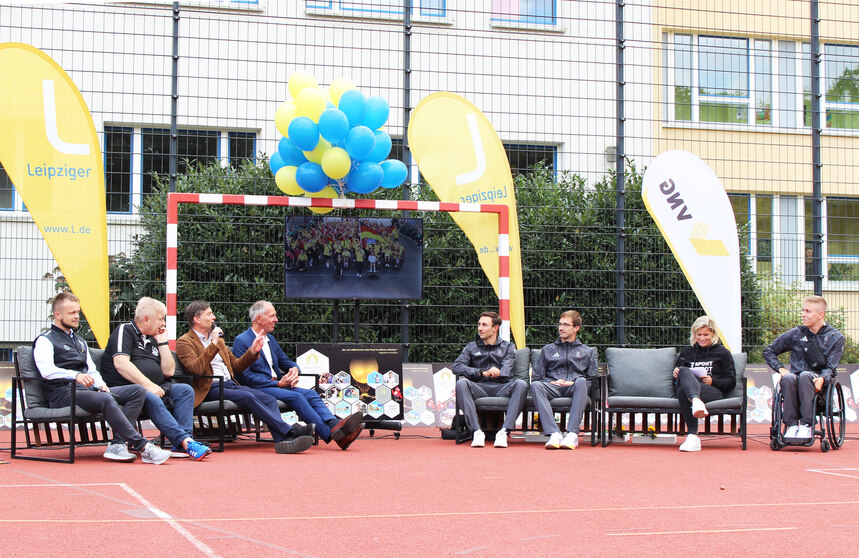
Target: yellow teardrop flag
point(50, 151)
point(463, 160)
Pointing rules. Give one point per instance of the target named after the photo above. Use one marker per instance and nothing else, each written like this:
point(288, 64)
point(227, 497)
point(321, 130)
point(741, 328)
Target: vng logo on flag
point(691, 208)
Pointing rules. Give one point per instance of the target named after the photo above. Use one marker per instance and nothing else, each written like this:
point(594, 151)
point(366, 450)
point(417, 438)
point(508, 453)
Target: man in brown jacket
point(203, 353)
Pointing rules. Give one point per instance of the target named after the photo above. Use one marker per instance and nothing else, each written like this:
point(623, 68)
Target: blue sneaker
point(198, 451)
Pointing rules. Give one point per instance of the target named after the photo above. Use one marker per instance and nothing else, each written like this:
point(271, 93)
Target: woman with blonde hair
point(704, 372)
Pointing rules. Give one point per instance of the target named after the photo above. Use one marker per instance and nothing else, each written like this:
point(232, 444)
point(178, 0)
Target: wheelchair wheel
point(824, 445)
point(836, 418)
point(775, 423)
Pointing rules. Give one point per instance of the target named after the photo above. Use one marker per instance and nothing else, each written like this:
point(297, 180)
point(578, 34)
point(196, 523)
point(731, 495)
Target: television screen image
point(353, 258)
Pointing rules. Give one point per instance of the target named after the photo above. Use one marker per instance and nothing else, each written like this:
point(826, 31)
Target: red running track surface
point(423, 496)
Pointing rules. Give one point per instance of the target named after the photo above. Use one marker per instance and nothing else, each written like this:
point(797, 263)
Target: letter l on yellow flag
point(462, 159)
point(50, 150)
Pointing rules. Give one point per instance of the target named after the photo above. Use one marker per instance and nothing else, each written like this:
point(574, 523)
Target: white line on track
point(167, 518)
point(830, 472)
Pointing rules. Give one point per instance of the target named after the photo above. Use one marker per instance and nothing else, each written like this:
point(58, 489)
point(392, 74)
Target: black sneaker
point(294, 445)
point(299, 430)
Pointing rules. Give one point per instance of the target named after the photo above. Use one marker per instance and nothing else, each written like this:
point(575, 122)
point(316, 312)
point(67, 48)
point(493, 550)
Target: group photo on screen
point(353, 257)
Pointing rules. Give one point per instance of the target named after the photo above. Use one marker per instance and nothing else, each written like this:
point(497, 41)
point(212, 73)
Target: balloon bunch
point(333, 141)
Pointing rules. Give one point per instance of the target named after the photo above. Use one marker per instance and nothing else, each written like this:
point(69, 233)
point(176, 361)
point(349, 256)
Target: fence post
point(174, 103)
point(817, 165)
point(407, 111)
point(620, 231)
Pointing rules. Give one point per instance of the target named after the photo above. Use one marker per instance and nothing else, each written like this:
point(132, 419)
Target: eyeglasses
point(562, 324)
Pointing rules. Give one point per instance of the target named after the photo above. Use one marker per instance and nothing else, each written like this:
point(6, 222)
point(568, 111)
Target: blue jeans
point(307, 405)
point(178, 424)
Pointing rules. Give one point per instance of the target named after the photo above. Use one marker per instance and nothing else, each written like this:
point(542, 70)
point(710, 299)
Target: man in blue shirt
point(277, 375)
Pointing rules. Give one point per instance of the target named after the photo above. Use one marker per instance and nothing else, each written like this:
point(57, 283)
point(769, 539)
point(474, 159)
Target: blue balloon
point(290, 154)
point(366, 178)
point(310, 177)
point(276, 162)
point(304, 133)
point(382, 148)
point(353, 104)
point(333, 125)
point(395, 173)
point(360, 142)
point(377, 113)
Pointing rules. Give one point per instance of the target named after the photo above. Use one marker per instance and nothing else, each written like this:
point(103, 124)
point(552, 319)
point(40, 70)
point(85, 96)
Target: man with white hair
point(137, 353)
point(276, 374)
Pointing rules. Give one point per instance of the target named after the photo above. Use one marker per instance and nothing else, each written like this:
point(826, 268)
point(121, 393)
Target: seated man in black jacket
point(484, 367)
point(564, 369)
point(815, 351)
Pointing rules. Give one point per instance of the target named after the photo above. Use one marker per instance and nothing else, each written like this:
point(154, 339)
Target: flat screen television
point(353, 258)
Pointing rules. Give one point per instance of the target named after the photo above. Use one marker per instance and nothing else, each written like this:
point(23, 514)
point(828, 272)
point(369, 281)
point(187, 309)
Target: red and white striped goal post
point(174, 199)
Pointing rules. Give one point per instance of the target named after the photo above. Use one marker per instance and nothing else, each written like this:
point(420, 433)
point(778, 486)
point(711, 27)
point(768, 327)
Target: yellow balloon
point(285, 180)
point(328, 192)
point(284, 115)
point(338, 87)
point(311, 102)
point(299, 80)
point(315, 156)
point(336, 163)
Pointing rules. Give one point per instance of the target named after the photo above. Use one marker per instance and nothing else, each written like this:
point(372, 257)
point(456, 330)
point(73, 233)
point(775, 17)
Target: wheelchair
point(829, 422)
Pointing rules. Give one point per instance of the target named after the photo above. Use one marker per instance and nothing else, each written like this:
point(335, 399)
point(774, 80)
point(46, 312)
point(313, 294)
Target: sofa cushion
point(642, 402)
point(34, 393)
point(740, 366)
point(522, 366)
point(641, 372)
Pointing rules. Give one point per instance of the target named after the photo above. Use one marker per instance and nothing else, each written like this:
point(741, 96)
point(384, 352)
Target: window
point(242, 148)
point(841, 68)
point(736, 80)
point(842, 239)
point(723, 79)
point(7, 190)
point(117, 169)
point(195, 147)
point(540, 12)
point(134, 157)
point(523, 158)
point(379, 8)
point(764, 234)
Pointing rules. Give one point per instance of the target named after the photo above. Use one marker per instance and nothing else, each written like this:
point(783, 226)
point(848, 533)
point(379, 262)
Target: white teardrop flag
point(691, 208)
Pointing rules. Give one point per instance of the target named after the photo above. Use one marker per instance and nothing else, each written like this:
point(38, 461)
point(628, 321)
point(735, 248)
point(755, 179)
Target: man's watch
point(161, 344)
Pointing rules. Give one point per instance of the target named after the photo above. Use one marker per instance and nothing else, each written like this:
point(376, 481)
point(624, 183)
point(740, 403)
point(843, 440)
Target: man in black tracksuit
point(815, 351)
point(484, 368)
point(564, 369)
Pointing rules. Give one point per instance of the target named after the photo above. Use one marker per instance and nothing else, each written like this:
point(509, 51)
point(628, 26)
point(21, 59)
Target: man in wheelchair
point(815, 351)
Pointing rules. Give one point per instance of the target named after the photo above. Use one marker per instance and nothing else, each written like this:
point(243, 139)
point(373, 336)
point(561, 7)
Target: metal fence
point(583, 95)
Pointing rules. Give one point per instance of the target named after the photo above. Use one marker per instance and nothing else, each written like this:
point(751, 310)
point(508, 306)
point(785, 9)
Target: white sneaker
point(501, 439)
point(699, 410)
point(692, 443)
point(570, 441)
point(119, 452)
point(803, 432)
point(478, 439)
point(791, 431)
point(554, 441)
point(153, 454)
